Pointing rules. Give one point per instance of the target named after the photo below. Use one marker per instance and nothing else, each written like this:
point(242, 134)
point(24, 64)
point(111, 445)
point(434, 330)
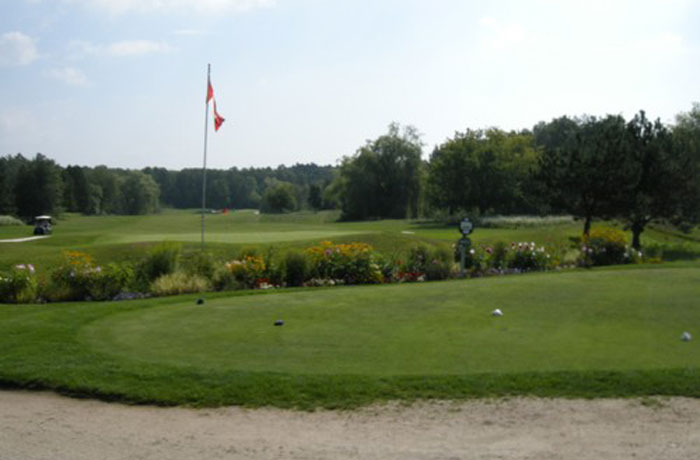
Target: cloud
point(504, 35)
point(125, 48)
point(69, 75)
point(668, 42)
point(136, 48)
point(14, 120)
point(17, 49)
point(190, 32)
point(145, 6)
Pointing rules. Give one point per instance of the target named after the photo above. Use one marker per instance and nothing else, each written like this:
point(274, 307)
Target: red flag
point(210, 92)
point(218, 119)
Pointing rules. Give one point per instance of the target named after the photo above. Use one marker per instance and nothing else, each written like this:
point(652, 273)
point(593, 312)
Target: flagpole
point(204, 166)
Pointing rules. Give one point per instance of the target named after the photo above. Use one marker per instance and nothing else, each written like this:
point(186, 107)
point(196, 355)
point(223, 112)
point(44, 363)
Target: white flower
point(471, 251)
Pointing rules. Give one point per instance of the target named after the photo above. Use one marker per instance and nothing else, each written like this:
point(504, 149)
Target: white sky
point(122, 82)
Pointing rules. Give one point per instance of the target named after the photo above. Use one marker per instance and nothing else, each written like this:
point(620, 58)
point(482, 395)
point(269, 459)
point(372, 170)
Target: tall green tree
point(382, 180)
point(315, 198)
point(279, 197)
point(139, 193)
point(686, 142)
point(9, 168)
point(166, 183)
point(104, 190)
point(581, 165)
point(483, 170)
point(76, 191)
point(659, 178)
point(38, 187)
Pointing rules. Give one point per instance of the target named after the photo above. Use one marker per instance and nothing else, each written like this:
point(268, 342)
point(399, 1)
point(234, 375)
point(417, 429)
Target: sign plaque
point(466, 226)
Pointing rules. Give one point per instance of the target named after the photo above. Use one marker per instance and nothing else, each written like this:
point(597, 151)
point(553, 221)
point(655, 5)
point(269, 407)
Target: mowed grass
point(120, 238)
point(117, 238)
point(581, 333)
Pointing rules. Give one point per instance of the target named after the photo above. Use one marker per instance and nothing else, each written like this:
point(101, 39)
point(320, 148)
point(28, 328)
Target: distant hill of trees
point(29, 187)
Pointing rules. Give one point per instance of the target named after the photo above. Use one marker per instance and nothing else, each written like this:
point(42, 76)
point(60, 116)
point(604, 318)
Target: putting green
point(597, 320)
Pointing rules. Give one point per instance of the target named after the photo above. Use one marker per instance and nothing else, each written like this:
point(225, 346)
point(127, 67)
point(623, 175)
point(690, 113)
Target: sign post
point(465, 228)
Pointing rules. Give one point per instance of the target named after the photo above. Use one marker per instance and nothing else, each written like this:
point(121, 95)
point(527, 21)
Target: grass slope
point(583, 333)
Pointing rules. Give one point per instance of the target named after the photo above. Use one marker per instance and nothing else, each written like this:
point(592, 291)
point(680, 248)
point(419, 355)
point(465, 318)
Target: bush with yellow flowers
point(351, 263)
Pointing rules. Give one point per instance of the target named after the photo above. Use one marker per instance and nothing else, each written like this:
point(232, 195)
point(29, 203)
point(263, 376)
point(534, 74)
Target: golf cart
point(42, 225)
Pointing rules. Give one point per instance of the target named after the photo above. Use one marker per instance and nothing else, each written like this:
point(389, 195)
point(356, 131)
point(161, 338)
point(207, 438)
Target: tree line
point(636, 170)
point(30, 187)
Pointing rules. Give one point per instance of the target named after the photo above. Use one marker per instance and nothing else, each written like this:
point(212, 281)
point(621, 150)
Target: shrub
point(423, 262)
point(498, 256)
point(475, 259)
point(222, 279)
point(247, 272)
point(523, 221)
point(604, 246)
point(502, 258)
point(109, 281)
point(439, 265)
point(160, 260)
point(353, 263)
point(77, 277)
point(19, 285)
point(179, 283)
point(527, 257)
point(9, 220)
point(274, 272)
point(72, 279)
point(388, 266)
point(671, 252)
point(416, 260)
point(200, 263)
point(295, 268)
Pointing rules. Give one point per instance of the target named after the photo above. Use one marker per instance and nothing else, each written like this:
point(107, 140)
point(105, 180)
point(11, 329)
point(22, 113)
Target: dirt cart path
point(46, 426)
point(23, 240)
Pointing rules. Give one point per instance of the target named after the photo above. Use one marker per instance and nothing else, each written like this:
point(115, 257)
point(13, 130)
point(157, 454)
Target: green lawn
point(579, 333)
point(116, 238)
point(126, 237)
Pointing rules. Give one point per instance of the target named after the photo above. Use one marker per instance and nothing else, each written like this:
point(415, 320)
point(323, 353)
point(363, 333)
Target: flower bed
point(161, 272)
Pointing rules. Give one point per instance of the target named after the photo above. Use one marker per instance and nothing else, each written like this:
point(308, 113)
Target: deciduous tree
point(382, 180)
